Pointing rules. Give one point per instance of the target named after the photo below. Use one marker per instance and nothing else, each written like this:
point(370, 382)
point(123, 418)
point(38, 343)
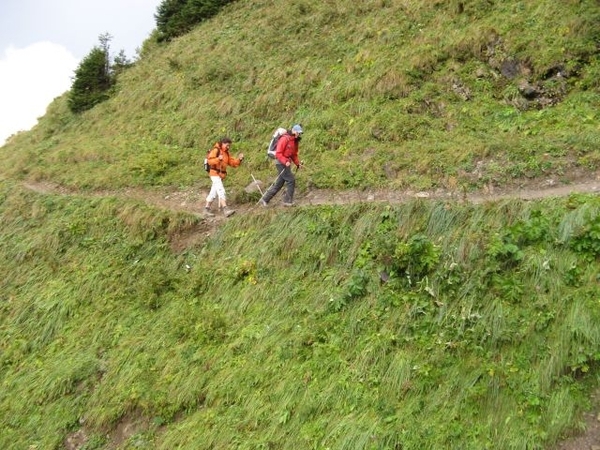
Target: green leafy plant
point(587, 240)
point(504, 250)
point(415, 258)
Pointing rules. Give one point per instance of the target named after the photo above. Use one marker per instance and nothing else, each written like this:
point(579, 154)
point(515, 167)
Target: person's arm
point(235, 162)
point(281, 152)
point(295, 156)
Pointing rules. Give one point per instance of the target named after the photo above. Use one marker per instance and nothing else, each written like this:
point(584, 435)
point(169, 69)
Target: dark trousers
point(285, 176)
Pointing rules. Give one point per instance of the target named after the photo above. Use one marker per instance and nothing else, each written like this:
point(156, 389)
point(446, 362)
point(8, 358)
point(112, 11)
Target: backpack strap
point(216, 156)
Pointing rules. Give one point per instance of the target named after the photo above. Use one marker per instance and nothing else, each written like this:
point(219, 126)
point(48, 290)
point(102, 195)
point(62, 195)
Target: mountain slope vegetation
point(391, 93)
point(432, 324)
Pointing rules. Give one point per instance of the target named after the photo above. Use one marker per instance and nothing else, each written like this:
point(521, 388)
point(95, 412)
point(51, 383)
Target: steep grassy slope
point(430, 325)
point(391, 93)
point(424, 326)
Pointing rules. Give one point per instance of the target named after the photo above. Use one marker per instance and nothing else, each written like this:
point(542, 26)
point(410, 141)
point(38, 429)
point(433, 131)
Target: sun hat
point(297, 129)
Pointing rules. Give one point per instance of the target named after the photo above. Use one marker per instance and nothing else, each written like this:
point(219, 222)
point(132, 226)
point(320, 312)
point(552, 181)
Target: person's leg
point(213, 191)
point(276, 186)
point(290, 181)
point(219, 191)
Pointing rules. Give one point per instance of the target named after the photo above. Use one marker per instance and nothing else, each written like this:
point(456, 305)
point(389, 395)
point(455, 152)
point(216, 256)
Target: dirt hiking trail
point(192, 200)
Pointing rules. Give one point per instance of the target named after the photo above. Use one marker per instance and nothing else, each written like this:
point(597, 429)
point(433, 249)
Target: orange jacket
point(218, 167)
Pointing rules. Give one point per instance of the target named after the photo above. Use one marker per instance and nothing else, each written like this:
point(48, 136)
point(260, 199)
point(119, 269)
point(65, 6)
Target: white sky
point(42, 42)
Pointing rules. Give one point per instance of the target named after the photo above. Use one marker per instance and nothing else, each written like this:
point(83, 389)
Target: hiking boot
point(228, 212)
point(261, 202)
point(208, 212)
point(288, 204)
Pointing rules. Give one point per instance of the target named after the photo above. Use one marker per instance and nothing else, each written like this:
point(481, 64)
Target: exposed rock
point(461, 90)
point(76, 440)
point(527, 90)
point(510, 68)
point(255, 186)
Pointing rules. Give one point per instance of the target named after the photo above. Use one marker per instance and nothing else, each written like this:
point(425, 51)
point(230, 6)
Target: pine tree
point(170, 21)
point(93, 79)
point(120, 64)
point(91, 82)
point(177, 17)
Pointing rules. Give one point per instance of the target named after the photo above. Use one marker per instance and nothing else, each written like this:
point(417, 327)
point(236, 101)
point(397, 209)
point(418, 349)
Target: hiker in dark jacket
point(285, 155)
point(218, 160)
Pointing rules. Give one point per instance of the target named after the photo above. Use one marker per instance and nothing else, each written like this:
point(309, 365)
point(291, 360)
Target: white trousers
point(216, 190)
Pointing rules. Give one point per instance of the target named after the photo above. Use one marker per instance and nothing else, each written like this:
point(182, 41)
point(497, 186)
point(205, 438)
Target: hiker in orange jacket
point(218, 160)
point(285, 155)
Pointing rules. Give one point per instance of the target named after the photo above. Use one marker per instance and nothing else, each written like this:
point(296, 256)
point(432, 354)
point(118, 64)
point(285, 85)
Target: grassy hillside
point(417, 327)
point(427, 325)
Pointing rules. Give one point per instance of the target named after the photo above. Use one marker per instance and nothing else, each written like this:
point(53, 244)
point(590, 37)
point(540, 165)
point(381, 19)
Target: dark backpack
point(206, 165)
point(273, 144)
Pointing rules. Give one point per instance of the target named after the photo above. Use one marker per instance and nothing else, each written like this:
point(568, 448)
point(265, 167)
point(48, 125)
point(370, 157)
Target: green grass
point(427, 325)
point(378, 85)
point(277, 331)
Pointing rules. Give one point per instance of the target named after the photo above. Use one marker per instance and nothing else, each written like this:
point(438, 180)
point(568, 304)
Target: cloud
point(30, 78)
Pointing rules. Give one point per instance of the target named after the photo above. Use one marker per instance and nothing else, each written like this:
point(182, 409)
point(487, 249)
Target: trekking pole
point(274, 181)
point(258, 186)
point(277, 178)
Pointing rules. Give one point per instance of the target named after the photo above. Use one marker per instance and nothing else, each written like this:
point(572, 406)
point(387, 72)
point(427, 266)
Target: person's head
point(225, 142)
point(297, 131)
